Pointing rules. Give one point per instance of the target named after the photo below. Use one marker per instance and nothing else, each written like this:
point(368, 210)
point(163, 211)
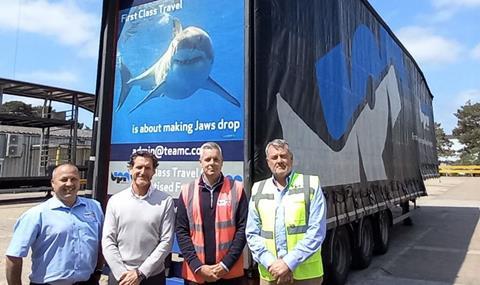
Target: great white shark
point(183, 69)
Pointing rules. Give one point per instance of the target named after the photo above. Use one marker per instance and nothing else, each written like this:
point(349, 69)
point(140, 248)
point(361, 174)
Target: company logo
point(120, 177)
point(224, 202)
point(234, 177)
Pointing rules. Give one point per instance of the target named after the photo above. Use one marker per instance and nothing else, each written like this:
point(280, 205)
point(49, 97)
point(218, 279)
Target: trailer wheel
point(336, 256)
point(363, 250)
point(381, 232)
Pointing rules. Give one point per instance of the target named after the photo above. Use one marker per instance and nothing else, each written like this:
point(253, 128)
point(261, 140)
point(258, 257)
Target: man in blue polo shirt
point(64, 233)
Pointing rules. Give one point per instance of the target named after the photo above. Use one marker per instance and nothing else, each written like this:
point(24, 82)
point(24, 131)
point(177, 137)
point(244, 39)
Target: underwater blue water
point(141, 42)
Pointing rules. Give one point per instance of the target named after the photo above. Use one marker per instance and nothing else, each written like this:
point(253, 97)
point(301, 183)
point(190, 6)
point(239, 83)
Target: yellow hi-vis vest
point(297, 209)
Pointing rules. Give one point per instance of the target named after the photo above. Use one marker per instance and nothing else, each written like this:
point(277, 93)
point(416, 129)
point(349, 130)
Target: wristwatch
point(140, 275)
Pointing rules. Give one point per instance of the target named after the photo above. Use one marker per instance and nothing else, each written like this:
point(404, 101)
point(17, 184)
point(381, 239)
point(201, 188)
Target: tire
point(336, 256)
point(363, 250)
point(381, 233)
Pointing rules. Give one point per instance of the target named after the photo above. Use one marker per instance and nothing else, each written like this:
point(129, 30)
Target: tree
point(17, 107)
point(468, 132)
point(20, 108)
point(444, 145)
point(37, 110)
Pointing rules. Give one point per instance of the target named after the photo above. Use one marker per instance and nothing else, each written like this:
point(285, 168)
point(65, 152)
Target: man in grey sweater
point(139, 226)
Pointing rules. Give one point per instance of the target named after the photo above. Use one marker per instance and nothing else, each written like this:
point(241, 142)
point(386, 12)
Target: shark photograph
point(183, 69)
point(179, 67)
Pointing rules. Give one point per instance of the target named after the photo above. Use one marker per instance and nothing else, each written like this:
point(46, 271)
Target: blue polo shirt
point(64, 241)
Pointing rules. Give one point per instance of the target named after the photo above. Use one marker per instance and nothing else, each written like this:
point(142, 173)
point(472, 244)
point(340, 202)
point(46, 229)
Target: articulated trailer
point(328, 76)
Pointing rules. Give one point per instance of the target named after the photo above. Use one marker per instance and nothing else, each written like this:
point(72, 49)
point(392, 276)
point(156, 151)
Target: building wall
point(25, 160)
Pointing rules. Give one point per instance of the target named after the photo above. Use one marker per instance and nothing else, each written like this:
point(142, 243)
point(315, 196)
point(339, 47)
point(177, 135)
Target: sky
point(51, 42)
point(444, 38)
point(55, 42)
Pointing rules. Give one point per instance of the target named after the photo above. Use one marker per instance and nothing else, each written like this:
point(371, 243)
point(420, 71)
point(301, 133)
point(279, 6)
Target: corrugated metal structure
point(32, 143)
point(20, 149)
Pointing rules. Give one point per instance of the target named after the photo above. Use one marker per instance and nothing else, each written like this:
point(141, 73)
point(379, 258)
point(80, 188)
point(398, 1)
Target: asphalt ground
point(442, 247)
point(8, 216)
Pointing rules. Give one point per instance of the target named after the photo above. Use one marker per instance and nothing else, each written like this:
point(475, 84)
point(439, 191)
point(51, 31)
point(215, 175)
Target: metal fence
point(460, 170)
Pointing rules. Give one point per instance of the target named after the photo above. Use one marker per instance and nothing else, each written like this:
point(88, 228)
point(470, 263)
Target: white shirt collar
point(149, 192)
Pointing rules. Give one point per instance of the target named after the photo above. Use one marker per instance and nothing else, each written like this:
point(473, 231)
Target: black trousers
point(158, 279)
point(91, 281)
point(76, 283)
point(234, 281)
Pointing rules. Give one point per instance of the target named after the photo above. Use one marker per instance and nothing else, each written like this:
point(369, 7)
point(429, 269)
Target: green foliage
point(468, 132)
point(20, 108)
point(469, 157)
point(444, 145)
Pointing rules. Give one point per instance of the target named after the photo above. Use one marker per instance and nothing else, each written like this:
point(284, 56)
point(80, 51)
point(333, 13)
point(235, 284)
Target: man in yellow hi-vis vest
point(286, 222)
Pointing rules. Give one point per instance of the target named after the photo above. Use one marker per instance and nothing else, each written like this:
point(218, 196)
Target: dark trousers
point(77, 283)
point(158, 279)
point(234, 281)
point(91, 281)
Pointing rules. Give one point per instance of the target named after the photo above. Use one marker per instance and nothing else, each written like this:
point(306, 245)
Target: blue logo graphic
point(343, 87)
point(120, 177)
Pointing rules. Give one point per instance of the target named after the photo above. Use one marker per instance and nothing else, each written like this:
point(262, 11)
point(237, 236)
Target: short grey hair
point(278, 143)
point(63, 165)
point(210, 146)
